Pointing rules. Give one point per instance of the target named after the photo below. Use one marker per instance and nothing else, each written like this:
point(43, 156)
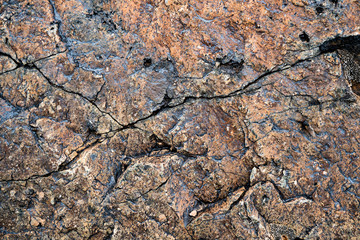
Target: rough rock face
point(174, 119)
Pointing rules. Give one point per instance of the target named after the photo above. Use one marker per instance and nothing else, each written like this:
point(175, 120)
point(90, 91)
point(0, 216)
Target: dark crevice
point(34, 132)
point(314, 102)
point(307, 196)
point(160, 144)
point(119, 171)
point(305, 127)
point(230, 65)
point(147, 62)
point(350, 43)
point(304, 37)
point(97, 94)
point(319, 9)
point(247, 187)
point(348, 50)
point(281, 195)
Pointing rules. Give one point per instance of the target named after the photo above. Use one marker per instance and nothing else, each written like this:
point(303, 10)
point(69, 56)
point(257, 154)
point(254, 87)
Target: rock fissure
point(177, 120)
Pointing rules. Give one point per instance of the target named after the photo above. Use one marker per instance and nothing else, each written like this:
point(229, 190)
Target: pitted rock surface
point(169, 119)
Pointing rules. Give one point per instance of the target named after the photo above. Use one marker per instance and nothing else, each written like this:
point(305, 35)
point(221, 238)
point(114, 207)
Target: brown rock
point(179, 119)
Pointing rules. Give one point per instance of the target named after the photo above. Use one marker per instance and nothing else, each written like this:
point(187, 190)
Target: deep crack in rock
point(179, 120)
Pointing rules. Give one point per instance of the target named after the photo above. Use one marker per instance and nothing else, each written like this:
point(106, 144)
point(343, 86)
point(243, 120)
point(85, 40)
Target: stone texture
point(169, 119)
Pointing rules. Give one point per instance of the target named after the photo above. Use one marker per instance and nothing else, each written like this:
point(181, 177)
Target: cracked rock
point(179, 119)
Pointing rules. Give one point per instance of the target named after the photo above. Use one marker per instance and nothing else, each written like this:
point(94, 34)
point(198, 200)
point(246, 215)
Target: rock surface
point(169, 119)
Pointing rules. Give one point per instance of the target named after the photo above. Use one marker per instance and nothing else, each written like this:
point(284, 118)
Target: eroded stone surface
point(179, 119)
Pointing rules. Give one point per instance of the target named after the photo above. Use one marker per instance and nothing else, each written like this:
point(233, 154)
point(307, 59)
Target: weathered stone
point(171, 119)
